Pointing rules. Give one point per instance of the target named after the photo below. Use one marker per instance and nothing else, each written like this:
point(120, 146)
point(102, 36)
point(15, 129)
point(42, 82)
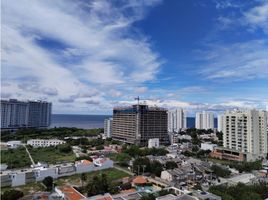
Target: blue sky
point(89, 56)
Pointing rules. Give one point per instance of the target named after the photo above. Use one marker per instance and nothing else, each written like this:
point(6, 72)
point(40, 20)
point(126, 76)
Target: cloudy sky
point(88, 56)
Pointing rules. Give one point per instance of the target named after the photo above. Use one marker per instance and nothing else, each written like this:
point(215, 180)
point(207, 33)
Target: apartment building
point(138, 123)
point(44, 142)
point(22, 114)
point(108, 127)
point(220, 122)
point(177, 120)
point(246, 131)
point(204, 120)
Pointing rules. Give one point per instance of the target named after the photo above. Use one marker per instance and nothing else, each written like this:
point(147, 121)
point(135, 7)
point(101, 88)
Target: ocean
point(93, 121)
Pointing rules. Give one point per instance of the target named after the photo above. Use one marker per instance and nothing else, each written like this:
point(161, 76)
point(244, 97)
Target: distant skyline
point(88, 56)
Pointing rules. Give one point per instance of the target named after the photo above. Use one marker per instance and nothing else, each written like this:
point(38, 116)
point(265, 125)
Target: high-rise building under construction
point(137, 124)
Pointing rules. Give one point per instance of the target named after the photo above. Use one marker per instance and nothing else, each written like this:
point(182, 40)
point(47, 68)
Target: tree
point(171, 165)
point(156, 168)
point(48, 182)
point(11, 195)
point(122, 159)
point(83, 178)
point(141, 165)
point(220, 171)
point(64, 148)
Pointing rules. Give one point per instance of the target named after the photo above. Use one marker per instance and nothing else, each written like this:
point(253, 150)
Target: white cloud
point(257, 17)
point(238, 61)
point(98, 48)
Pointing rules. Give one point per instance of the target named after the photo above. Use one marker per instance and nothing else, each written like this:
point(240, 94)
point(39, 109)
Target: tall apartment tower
point(108, 127)
point(204, 120)
point(220, 122)
point(246, 131)
point(177, 120)
point(19, 114)
point(138, 123)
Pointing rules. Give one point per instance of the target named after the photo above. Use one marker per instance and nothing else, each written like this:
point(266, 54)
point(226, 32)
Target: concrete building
point(138, 123)
point(220, 122)
point(177, 120)
point(13, 144)
point(204, 120)
point(108, 127)
point(28, 175)
point(19, 114)
point(44, 142)
point(154, 142)
point(208, 146)
point(246, 131)
point(14, 114)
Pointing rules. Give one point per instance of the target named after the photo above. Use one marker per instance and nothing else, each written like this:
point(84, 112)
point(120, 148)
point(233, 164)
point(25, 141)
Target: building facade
point(138, 123)
point(246, 131)
point(108, 127)
point(220, 122)
point(177, 120)
point(204, 120)
point(44, 142)
point(22, 114)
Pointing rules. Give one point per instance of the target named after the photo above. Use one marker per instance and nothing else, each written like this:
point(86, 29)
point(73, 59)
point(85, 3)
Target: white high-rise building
point(204, 120)
point(177, 120)
point(246, 131)
point(18, 114)
point(220, 122)
point(108, 127)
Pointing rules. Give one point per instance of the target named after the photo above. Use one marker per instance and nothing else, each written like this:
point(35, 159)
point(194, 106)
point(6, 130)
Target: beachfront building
point(108, 127)
point(137, 124)
point(204, 120)
point(177, 120)
point(23, 114)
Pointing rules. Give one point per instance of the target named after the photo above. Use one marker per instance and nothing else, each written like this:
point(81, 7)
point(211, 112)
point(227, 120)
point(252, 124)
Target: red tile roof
point(70, 193)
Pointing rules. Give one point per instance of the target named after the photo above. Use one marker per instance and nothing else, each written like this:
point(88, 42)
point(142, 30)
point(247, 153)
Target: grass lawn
point(50, 155)
point(112, 174)
point(26, 189)
point(15, 158)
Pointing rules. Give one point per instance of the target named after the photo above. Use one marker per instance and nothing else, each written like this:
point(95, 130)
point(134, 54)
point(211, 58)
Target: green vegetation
point(112, 175)
point(122, 159)
point(240, 166)
point(220, 171)
point(11, 195)
point(48, 182)
point(255, 191)
point(30, 133)
point(60, 153)
point(135, 151)
point(143, 164)
point(15, 158)
point(28, 189)
point(171, 165)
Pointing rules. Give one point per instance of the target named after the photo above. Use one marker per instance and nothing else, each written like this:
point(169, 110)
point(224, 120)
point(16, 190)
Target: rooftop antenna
point(138, 100)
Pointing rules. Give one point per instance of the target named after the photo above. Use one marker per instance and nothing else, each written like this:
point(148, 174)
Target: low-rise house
point(83, 166)
point(205, 195)
point(13, 144)
point(178, 175)
point(44, 142)
point(208, 146)
point(24, 176)
point(69, 193)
